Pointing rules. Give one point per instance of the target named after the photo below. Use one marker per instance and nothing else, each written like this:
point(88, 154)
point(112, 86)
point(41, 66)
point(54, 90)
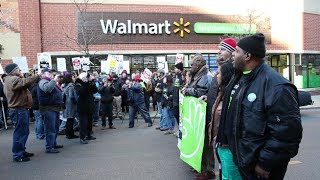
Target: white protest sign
point(161, 62)
point(126, 66)
point(85, 63)
point(22, 63)
point(115, 63)
point(179, 58)
point(61, 64)
point(1, 69)
point(104, 66)
point(44, 60)
point(76, 61)
point(146, 75)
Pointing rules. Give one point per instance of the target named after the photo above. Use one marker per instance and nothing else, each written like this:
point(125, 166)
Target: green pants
point(229, 170)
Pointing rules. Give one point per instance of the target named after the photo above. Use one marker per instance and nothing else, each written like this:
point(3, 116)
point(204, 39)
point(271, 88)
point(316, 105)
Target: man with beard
point(226, 48)
point(200, 80)
point(261, 124)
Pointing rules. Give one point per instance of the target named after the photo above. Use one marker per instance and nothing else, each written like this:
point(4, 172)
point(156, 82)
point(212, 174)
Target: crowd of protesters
point(253, 125)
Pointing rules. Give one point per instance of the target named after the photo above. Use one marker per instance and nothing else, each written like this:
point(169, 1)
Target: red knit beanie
point(229, 44)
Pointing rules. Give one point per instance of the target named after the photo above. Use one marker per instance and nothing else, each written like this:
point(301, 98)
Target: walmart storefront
point(144, 37)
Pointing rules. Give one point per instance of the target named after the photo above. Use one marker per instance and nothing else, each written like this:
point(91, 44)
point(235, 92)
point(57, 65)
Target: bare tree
point(257, 21)
point(86, 35)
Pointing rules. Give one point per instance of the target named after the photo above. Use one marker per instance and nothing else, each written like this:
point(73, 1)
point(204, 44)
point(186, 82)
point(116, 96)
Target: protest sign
point(22, 63)
point(192, 127)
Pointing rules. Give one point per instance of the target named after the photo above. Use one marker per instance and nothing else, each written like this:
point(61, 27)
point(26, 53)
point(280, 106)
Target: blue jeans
point(168, 118)
point(51, 127)
point(39, 125)
point(159, 109)
point(96, 111)
point(143, 111)
point(20, 119)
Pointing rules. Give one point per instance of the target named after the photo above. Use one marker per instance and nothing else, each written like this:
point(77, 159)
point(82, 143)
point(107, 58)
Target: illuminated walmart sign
point(157, 28)
point(143, 28)
point(134, 28)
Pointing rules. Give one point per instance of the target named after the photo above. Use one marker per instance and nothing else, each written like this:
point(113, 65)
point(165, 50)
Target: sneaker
point(112, 127)
point(169, 132)
point(158, 128)
point(103, 127)
point(149, 124)
point(90, 138)
point(131, 126)
point(58, 146)
point(83, 141)
point(27, 154)
point(164, 129)
point(21, 159)
point(52, 151)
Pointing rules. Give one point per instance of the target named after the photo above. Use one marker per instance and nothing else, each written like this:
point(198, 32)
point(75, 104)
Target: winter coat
point(135, 94)
point(70, 97)
point(266, 128)
point(199, 84)
point(167, 96)
point(34, 94)
point(106, 94)
point(16, 90)
point(85, 91)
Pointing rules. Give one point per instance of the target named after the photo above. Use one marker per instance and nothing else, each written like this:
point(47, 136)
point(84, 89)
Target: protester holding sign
point(198, 86)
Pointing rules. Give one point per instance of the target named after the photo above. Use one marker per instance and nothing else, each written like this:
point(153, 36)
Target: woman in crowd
point(167, 104)
point(70, 99)
point(225, 72)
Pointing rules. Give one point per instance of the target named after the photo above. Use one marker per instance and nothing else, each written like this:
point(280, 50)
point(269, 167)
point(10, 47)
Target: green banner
point(224, 28)
point(192, 127)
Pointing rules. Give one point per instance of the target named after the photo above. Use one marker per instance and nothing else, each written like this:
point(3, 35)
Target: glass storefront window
point(136, 63)
point(149, 62)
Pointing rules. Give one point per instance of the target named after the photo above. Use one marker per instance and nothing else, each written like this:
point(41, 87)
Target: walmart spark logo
point(182, 27)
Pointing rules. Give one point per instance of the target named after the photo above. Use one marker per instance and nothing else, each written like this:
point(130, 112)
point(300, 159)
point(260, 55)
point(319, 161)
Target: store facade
point(143, 31)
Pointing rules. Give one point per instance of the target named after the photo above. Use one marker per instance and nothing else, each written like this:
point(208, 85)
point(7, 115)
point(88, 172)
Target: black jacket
point(106, 93)
point(34, 93)
point(85, 91)
point(267, 126)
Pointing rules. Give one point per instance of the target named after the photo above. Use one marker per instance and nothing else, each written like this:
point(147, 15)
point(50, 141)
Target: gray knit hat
point(11, 68)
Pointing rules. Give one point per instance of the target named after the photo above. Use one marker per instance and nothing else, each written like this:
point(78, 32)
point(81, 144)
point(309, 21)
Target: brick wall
point(59, 20)
point(30, 29)
point(311, 31)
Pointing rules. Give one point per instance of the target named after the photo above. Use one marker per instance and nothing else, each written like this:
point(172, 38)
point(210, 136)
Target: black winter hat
point(11, 67)
point(179, 66)
point(254, 44)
